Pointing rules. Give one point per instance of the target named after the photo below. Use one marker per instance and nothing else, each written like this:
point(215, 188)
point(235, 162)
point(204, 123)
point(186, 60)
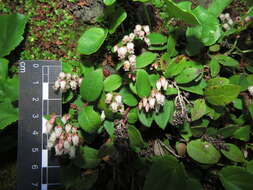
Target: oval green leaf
point(113, 82)
point(233, 153)
point(203, 152)
point(157, 38)
point(143, 86)
point(91, 40)
point(145, 59)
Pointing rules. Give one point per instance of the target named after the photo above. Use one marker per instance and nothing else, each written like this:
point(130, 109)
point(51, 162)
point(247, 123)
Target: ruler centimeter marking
point(38, 169)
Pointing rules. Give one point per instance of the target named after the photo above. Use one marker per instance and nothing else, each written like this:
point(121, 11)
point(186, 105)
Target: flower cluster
point(67, 81)
point(115, 102)
point(126, 52)
point(64, 139)
point(227, 21)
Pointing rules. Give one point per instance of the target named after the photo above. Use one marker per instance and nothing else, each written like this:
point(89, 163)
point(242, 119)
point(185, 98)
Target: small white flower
point(125, 39)
point(250, 89)
point(127, 66)
point(141, 35)
point(56, 85)
point(147, 108)
point(75, 139)
point(227, 16)
point(66, 145)
point(58, 131)
point(230, 22)
point(160, 99)
point(114, 106)
point(144, 102)
point(130, 47)
point(63, 85)
point(102, 115)
point(158, 85)
point(118, 99)
point(80, 81)
point(62, 75)
point(226, 26)
point(151, 102)
point(108, 98)
point(68, 128)
point(146, 29)
point(132, 58)
point(222, 17)
point(122, 51)
point(49, 127)
point(138, 27)
point(68, 76)
point(140, 105)
point(73, 85)
point(131, 36)
point(72, 152)
point(52, 137)
point(74, 130)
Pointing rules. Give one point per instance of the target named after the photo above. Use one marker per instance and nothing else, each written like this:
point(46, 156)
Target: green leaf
point(11, 31)
point(145, 59)
point(217, 6)
point(221, 94)
point(203, 152)
point(113, 82)
point(227, 131)
point(127, 97)
point(3, 68)
point(157, 38)
point(249, 166)
point(89, 120)
point(165, 115)
point(171, 46)
point(208, 32)
point(217, 81)
point(181, 12)
point(91, 40)
point(187, 75)
point(226, 60)
point(8, 114)
point(118, 17)
point(233, 153)
point(145, 118)
point(198, 110)
point(193, 184)
point(90, 157)
point(236, 178)
point(196, 89)
point(109, 127)
point(143, 86)
point(135, 138)
point(9, 89)
point(109, 2)
point(214, 67)
point(92, 85)
point(132, 116)
point(166, 173)
point(243, 80)
point(243, 133)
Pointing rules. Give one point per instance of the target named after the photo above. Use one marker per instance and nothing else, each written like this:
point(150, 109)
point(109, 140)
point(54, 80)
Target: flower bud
point(114, 107)
point(118, 99)
point(146, 29)
point(108, 98)
point(151, 102)
point(140, 105)
point(68, 76)
point(58, 131)
point(102, 116)
point(65, 118)
point(62, 75)
point(144, 102)
point(68, 128)
point(158, 85)
point(147, 41)
point(75, 140)
point(63, 85)
point(147, 108)
point(125, 39)
point(56, 85)
point(250, 89)
point(73, 85)
point(127, 66)
point(74, 77)
point(131, 36)
point(130, 47)
point(138, 27)
point(132, 58)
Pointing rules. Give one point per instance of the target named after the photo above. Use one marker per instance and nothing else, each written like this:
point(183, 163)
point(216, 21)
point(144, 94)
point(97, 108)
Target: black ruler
point(37, 167)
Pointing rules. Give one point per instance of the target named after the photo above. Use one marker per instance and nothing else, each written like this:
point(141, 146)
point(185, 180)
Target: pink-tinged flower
point(122, 51)
point(74, 76)
point(153, 93)
point(66, 145)
point(131, 36)
point(58, 152)
point(69, 137)
point(56, 85)
point(68, 76)
point(138, 27)
point(73, 85)
point(63, 85)
point(147, 108)
point(151, 102)
point(144, 102)
point(58, 131)
point(74, 130)
point(72, 152)
point(132, 58)
point(75, 140)
point(118, 99)
point(60, 144)
point(68, 128)
point(158, 85)
point(130, 47)
point(127, 65)
point(65, 118)
point(142, 35)
point(114, 107)
point(125, 39)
